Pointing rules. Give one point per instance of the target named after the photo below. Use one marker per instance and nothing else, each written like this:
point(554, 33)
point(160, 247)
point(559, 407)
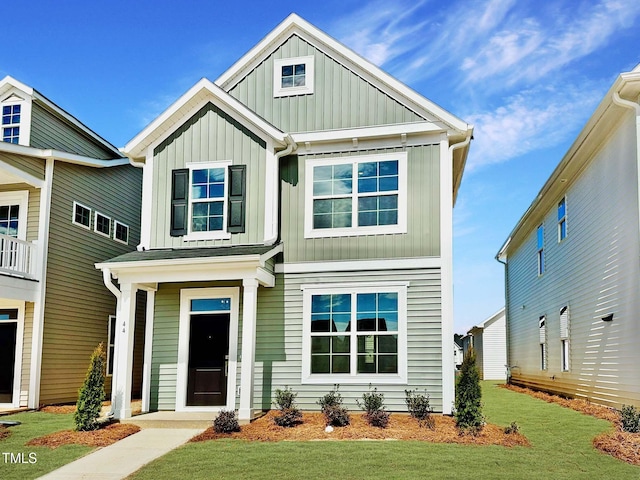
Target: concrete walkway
point(121, 459)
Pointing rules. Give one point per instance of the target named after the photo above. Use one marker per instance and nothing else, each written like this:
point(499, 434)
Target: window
point(543, 342)
point(293, 76)
point(11, 123)
point(562, 219)
point(121, 232)
point(111, 343)
point(81, 215)
point(564, 338)
point(9, 220)
point(540, 235)
point(207, 206)
point(102, 224)
point(355, 334)
point(356, 195)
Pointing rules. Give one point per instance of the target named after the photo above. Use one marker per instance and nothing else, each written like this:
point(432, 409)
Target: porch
point(17, 257)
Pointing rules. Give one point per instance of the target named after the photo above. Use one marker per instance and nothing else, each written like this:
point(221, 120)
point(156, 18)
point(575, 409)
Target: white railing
point(17, 257)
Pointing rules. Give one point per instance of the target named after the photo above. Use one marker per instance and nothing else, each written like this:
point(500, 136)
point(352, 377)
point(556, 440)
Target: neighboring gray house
point(67, 200)
point(489, 340)
point(572, 264)
point(296, 231)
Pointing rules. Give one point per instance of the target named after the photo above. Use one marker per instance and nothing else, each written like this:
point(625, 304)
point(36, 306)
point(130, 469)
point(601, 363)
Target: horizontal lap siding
point(77, 304)
point(494, 350)
point(279, 338)
point(25, 374)
point(32, 166)
point(594, 272)
point(423, 219)
point(341, 98)
point(209, 136)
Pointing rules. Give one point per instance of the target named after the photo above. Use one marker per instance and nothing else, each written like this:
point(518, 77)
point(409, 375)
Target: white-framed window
point(11, 114)
point(111, 343)
point(354, 333)
point(81, 215)
point(562, 219)
point(540, 240)
point(363, 195)
point(293, 76)
point(102, 224)
point(564, 338)
point(208, 188)
point(120, 232)
point(542, 328)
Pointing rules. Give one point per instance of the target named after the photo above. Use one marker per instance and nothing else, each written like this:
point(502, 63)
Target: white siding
point(494, 349)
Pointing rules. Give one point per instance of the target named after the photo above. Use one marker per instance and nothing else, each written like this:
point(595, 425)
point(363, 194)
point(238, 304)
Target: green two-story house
point(296, 231)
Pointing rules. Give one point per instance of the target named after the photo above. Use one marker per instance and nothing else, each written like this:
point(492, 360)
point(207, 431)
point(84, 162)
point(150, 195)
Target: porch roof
point(191, 253)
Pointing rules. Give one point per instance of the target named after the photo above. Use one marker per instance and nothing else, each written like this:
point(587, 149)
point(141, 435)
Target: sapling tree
point(468, 405)
point(91, 394)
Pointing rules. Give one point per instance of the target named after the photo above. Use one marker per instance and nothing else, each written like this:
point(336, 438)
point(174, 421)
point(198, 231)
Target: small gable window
point(81, 215)
point(102, 224)
point(121, 232)
point(293, 76)
point(11, 123)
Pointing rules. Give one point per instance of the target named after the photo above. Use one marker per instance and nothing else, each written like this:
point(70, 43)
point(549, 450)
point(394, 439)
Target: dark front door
point(208, 356)
point(8, 331)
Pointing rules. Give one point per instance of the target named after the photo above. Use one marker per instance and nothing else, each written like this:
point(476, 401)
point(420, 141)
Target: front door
point(208, 359)
point(8, 334)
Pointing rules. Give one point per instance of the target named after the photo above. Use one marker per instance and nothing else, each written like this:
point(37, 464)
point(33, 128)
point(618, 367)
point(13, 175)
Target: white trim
point(20, 175)
point(401, 378)
point(95, 224)
point(17, 363)
point(148, 350)
point(360, 133)
point(20, 198)
point(23, 97)
point(62, 156)
point(271, 194)
point(146, 208)
point(354, 230)
point(186, 295)
point(306, 89)
point(115, 232)
point(112, 318)
point(359, 265)
point(73, 215)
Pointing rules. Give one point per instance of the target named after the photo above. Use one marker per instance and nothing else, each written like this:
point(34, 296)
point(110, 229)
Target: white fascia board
point(173, 117)
point(62, 156)
point(359, 265)
point(367, 132)
point(9, 82)
point(293, 24)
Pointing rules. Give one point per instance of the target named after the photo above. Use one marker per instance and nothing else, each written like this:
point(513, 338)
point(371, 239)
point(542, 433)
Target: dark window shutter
point(237, 198)
point(179, 202)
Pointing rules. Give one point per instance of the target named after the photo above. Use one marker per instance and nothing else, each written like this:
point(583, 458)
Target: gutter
point(291, 146)
point(106, 278)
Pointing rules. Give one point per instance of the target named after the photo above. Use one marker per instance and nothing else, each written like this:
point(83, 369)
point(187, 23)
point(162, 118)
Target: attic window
point(293, 76)
point(11, 123)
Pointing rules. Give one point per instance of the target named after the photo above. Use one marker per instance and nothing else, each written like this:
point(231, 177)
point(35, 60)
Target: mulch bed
point(619, 444)
point(59, 409)
point(97, 438)
point(4, 432)
point(401, 427)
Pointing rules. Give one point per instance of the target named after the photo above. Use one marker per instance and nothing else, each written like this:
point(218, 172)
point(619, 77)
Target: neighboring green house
point(296, 231)
point(67, 200)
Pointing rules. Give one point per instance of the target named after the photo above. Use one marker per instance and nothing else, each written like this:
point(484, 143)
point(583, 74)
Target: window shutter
point(179, 202)
point(237, 198)
point(564, 323)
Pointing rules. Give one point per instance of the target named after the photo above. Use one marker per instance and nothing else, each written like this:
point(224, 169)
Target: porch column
point(249, 311)
point(123, 362)
point(148, 346)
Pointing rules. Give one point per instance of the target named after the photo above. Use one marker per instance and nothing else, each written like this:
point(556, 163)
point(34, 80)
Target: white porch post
point(148, 345)
point(249, 312)
point(122, 369)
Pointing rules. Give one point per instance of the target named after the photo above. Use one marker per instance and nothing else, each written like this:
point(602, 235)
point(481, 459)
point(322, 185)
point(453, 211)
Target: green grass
point(36, 424)
point(561, 449)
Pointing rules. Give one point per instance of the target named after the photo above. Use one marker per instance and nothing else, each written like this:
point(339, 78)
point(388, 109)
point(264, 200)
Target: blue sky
point(527, 74)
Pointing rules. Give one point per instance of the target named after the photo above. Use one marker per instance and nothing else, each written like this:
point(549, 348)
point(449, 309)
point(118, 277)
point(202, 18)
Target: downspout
point(106, 278)
point(506, 310)
point(291, 146)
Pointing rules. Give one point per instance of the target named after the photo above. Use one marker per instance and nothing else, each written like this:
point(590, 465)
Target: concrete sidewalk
point(121, 459)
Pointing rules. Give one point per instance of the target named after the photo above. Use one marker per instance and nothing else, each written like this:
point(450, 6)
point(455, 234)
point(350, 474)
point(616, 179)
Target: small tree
point(468, 405)
point(91, 394)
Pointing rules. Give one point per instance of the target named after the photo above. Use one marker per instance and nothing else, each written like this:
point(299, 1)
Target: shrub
point(331, 405)
point(285, 399)
point(226, 422)
point(419, 408)
point(630, 419)
point(289, 415)
point(373, 405)
point(91, 394)
point(378, 418)
point(468, 405)
point(512, 429)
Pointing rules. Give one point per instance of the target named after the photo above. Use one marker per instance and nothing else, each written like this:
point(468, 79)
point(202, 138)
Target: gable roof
point(606, 116)
point(187, 105)
point(8, 83)
point(500, 313)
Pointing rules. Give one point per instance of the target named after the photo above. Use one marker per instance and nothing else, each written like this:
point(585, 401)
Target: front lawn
point(21, 462)
point(560, 438)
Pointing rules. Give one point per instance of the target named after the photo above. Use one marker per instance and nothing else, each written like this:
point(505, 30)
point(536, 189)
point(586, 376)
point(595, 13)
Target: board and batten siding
point(33, 206)
point(423, 217)
point(594, 272)
point(50, 131)
point(77, 304)
point(341, 98)
point(210, 135)
point(32, 166)
point(279, 338)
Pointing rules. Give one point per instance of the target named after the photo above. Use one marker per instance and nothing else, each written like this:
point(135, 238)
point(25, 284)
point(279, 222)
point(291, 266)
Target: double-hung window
point(540, 239)
point(542, 329)
point(356, 195)
point(354, 334)
point(562, 219)
point(11, 123)
point(293, 76)
point(564, 338)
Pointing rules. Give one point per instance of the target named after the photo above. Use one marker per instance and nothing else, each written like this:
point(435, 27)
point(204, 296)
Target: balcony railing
point(17, 257)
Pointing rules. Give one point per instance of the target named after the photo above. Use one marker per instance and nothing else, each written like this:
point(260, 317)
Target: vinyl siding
point(594, 272)
point(490, 346)
point(50, 131)
point(32, 166)
point(25, 374)
point(33, 206)
point(341, 98)
point(423, 219)
point(77, 304)
point(210, 135)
